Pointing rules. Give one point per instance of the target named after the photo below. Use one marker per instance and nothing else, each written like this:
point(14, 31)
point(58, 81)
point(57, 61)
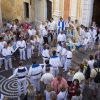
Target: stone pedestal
point(0, 14)
point(57, 13)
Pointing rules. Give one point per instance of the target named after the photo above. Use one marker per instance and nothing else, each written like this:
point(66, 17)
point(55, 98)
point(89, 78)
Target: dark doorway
point(26, 10)
point(49, 9)
point(96, 12)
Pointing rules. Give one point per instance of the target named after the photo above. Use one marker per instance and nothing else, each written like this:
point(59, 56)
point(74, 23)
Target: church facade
point(85, 11)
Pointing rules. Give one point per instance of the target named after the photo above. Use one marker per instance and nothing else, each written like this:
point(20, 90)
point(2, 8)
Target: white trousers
point(29, 53)
point(22, 54)
point(85, 46)
point(55, 71)
point(32, 48)
point(63, 59)
point(24, 85)
point(36, 83)
point(59, 55)
point(67, 64)
point(92, 45)
point(40, 49)
point(8, 62)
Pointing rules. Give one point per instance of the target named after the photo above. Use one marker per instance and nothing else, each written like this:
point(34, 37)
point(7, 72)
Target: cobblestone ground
point(10, 86)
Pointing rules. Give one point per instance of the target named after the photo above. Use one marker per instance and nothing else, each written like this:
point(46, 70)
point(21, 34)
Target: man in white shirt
point(21, 44)
point(7, 53)
point(42, 27)
point(56, 63)
point(45, 35)
point(67, 23)
point(53, 25)
point(93, 34)
point(61, 37)
point(35, 72)
point(47, 78)
point(30, 31)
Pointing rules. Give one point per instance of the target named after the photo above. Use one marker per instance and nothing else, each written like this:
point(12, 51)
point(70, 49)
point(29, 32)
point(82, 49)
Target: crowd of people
point(21, 41)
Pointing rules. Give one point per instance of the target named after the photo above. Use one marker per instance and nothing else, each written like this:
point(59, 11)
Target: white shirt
point(69, 54)
point(33, 42)
point(82, 32)
point(35, 73)
point(2, 46)
point(53, 25)
point(21, 44)
point(42, 27)
point(90, 63)
point(61, 37)
point(7, 51)
point(53, 60)
point(40, 40)
point(64, 51)
point(19, 74)
point(47, 78)
point(67, 23)
point(62, 95)
point(77, 97)
point(45, 53)
point(70, 76)
point(30, 32)
point(45, 33)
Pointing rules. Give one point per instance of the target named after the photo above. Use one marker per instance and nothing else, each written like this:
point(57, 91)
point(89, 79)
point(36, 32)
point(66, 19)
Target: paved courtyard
point(9, 87)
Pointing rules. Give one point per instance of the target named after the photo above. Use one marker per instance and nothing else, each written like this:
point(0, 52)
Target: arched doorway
point(49, 9)
point(96, 12)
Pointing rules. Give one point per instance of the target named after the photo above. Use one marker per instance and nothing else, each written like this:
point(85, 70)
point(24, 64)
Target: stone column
point(57, 13)
point(0, 14)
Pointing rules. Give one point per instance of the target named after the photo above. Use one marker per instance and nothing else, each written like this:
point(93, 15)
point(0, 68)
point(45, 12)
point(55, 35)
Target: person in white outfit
point(42, 27)
point(93, 34)
point(56, 63)
point(67, 23)
point(21, 73)
point(21, 44)
point(30, 31)
point(45, 53)
point(63, 54)
point(47, 78)
point(91, 62)
point(2, 42)
point(61, 37)
point(7, 52)
point(53, 25)
point(68, 59)
point(40, 44)
point(35, 72)
point(28, 47)
point(63, 93)
point(59, 49)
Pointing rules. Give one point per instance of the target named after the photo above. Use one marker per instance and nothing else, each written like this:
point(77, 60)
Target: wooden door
point(49, 9)
point(96, 12)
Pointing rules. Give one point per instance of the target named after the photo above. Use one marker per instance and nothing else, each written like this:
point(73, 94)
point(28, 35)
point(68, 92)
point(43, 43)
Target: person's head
point(21, 37)
point(98, 47)
point(61, 32)
point(85, 62)
point(30, 27)
point(30, 88)
point(47, 69)
point(5, 98)
point(51, 19)
point(76, 21)
point(82, 26)
point(20, 63)
point(81, 67)
point(9, 43)
point(69, 18)
point(95, 65)
point(49, 88)
point(43, 23)
point(75, 82)
point(68, 48)
point(1, 38)
point(93, 23)
point(59, 77)
point(54, 53)
point(91, 57)
point(91, 28)
point(85, 29)
point(53, 95)
point(33, 61)
point(71, 69)
point(63, 88)
point(40, 97)
point(5, 45)
point(61, 19)
point(47, 61)
point(77, 69)
point(77, 92)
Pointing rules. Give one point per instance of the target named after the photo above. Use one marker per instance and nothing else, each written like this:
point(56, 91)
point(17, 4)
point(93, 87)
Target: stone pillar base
point(56, 15)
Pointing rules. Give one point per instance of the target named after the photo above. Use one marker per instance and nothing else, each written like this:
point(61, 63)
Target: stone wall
point(12, 9)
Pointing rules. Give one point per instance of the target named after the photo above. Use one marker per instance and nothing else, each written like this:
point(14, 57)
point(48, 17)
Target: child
point(28, 47)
